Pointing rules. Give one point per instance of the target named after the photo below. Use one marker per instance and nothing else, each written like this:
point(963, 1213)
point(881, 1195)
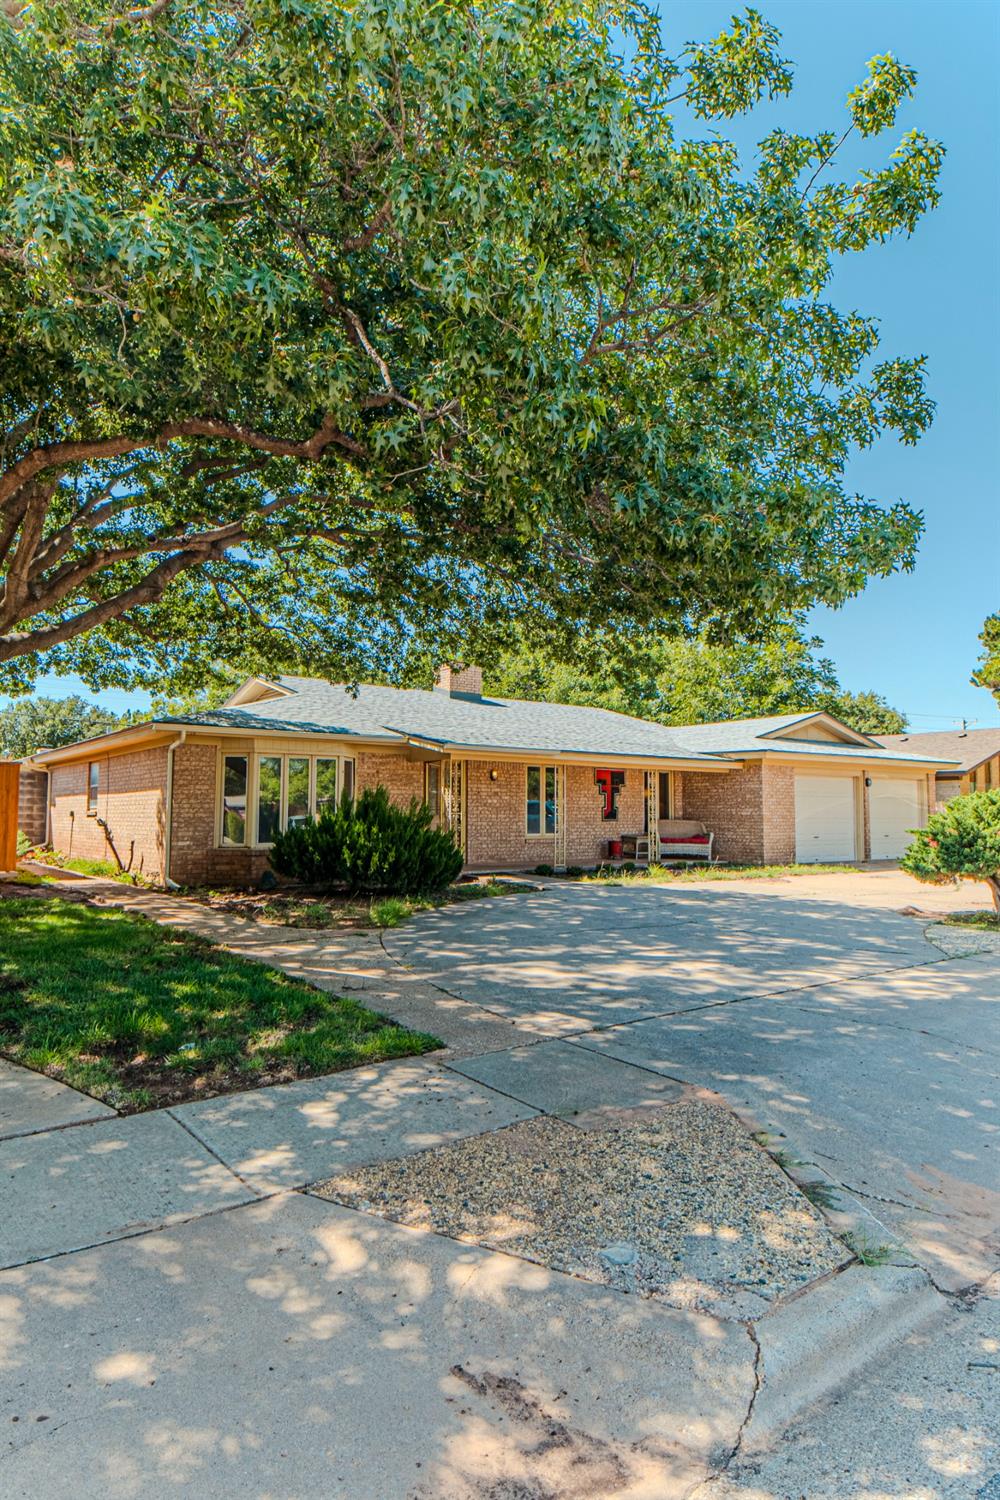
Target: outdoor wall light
point(494, 774)
point(868, 781)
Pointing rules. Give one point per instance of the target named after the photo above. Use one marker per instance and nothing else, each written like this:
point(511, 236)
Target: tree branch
point(83, 451)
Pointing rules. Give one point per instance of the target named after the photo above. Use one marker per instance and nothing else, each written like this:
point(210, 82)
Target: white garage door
point(894, 808)
point(824, 819)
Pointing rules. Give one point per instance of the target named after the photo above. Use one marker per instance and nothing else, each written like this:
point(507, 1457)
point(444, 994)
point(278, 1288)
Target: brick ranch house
point(190, 799)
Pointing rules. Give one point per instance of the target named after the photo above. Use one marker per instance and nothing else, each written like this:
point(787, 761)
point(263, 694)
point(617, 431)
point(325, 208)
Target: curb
point(816, 1342)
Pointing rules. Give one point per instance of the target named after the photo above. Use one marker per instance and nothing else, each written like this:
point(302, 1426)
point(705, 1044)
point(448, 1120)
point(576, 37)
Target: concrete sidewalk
point(173, 1314)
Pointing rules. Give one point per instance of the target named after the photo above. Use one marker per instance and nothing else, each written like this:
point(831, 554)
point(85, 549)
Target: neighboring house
point(196, 798)
point(976, 753)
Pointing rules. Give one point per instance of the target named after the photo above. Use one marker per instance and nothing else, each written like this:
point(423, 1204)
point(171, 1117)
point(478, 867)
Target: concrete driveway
point(175, 1316)
point(811, 1004)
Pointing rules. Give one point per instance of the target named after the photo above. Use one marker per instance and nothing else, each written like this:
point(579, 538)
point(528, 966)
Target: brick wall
point(402, 778)
point(778, 787)
point(130, 802)
point(194, 859)
point(496, 836)
point(731, 806)
point(32, 801)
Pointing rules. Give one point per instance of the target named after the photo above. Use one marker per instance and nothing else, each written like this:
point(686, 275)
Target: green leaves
point(873, 104)
point(987, 674)
point(431, 307)
point(962, 839)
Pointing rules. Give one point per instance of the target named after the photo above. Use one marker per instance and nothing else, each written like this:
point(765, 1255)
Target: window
point(93, 786)
point(540, 800)
point(432, 788)
point(234, 799)
point(265, 793)
point(988, 775)
point(665, 810)
point(268, 798)
point(298, 791)
point(326, 785)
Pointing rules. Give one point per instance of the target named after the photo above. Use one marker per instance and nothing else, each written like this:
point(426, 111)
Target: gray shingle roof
point(754, 737)
point(393, 714)
point(970, 748)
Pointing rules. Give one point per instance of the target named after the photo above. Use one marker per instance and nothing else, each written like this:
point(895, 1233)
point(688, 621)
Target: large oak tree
point(328, 326)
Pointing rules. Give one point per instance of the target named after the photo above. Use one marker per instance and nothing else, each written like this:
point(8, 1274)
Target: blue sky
point(911, 637)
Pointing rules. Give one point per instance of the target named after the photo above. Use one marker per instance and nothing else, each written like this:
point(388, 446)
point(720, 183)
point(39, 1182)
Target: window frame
point(93, 787)
point(543, 770)
point(253, 759)
point(249, 811)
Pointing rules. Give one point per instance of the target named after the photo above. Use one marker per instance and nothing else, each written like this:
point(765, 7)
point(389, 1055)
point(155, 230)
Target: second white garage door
point(825, 820)
point(895, 807)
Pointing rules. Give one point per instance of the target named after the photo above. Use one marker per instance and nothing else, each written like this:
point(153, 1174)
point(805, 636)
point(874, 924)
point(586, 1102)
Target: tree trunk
point(993, 881)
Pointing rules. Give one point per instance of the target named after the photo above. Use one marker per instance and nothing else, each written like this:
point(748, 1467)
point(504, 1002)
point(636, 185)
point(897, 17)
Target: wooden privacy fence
point(10, 774)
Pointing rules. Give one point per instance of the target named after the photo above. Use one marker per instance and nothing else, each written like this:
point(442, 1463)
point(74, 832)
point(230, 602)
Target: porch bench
point(685, 838)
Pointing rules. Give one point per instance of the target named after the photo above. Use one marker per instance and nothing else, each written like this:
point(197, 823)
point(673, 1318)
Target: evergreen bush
point(370, 844)
point(961, 839)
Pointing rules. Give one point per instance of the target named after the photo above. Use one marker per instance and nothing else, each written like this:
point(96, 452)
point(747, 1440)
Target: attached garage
point(896, 805)
point(826, 819)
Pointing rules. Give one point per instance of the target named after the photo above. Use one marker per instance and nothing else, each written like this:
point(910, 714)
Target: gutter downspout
point(174, 745)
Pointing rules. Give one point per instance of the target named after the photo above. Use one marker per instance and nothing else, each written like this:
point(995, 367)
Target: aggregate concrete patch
point(30, 1102)
point(294, 1348)
point(865, 1080)
point(680, 1204)
point(559, 1078)
point(68, 1189)
point(298, 1133)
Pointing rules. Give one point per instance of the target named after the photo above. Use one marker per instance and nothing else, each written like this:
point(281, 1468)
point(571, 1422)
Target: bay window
point(262, 794)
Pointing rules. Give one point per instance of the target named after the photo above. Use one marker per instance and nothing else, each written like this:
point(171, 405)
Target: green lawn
point(140, 1016)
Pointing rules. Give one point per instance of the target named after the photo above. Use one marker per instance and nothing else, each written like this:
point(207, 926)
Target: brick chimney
point(459, 681)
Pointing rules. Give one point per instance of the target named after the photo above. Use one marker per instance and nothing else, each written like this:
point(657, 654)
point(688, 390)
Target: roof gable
point(257, 690)
point(821, 727)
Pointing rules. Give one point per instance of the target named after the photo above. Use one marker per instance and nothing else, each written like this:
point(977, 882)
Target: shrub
point(545, 869)
point(370, 845)
point(23, 843)
point(962, 839)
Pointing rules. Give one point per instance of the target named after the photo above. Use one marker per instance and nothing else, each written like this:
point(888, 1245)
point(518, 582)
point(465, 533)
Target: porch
point(516, 815)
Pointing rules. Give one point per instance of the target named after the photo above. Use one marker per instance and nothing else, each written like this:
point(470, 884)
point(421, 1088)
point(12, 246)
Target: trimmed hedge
point(370, 845)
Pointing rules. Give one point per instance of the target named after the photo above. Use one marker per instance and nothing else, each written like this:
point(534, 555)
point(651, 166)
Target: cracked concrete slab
point(67, 1189)
point(297, 1133)
point(921, 1421)
point(30, 1102)
point(298, 1348)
